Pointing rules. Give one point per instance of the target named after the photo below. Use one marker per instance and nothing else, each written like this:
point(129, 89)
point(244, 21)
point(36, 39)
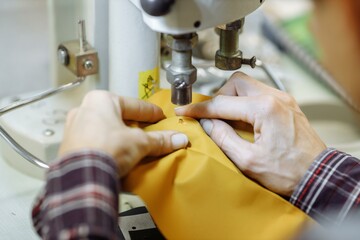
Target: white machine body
point(187, 16)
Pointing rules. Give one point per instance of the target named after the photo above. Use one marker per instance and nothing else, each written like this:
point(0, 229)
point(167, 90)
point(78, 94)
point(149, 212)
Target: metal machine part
point(229, 57)
point(78, 56)
point(181, 19)
point(158, 7)
point(181, 74)
point(275, 80)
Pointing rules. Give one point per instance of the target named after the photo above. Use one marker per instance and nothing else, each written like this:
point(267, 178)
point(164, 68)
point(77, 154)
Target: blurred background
point(24, 44)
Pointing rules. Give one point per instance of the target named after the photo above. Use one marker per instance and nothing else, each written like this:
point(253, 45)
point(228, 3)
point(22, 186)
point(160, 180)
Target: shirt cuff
point(80, 198)
point(329, 191)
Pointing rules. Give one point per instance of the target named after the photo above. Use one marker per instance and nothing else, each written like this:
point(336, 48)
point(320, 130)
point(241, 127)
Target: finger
point(138, 110)
point(100, 101)
point(241, 84)
point(131, 108)
point(164, 142)
point(226, 107)
point(230, 87)
point(156, 143)
point(71, 115)
point(227, 139)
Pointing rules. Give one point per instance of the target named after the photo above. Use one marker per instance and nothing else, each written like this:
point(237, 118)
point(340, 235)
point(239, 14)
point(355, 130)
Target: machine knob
point(157, 8)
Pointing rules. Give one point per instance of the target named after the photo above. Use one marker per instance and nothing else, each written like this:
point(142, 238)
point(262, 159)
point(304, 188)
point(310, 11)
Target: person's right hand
point(285, 143)
point(98, 124)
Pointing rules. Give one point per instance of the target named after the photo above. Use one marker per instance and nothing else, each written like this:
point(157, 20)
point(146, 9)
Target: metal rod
point(7, 137)
point(40, 96)
point(20, 150)
point(82, 36)
point(278, 83)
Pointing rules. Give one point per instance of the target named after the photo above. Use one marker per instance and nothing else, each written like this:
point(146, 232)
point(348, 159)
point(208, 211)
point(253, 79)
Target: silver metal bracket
point(78, 55)
point(81, 59)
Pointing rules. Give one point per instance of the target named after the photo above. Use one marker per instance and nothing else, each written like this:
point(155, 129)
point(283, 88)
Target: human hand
point(285, 144)
point(98, 124)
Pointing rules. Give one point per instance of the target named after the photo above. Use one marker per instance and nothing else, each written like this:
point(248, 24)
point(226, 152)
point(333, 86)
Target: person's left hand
point(98, 124)
point(285, 144)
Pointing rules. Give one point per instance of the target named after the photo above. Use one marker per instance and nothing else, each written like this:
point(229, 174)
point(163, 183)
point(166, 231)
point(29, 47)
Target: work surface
point(17, 194)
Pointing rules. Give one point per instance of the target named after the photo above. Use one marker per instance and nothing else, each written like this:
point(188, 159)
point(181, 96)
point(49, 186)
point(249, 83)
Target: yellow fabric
point(197, 193)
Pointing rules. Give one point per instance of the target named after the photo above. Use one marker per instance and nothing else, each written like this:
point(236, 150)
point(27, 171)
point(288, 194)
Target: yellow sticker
point(148, 83)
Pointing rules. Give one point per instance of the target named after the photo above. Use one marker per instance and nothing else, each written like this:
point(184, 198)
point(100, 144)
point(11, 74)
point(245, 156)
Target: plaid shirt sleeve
point(329, 191)
point(80, 198)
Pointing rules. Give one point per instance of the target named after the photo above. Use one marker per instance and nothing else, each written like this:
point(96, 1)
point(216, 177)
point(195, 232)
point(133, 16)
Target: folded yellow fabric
point(198, 193)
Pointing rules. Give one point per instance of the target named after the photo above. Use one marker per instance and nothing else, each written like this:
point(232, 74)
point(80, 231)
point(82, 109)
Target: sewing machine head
point(181, 19)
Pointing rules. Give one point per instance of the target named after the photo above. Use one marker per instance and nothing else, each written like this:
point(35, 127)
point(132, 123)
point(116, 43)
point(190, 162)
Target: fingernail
point(178, 110)
point(179, 140)
point(207, 125)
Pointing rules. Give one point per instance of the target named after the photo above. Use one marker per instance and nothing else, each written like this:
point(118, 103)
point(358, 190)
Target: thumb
point(226, 138)
point(164, 142)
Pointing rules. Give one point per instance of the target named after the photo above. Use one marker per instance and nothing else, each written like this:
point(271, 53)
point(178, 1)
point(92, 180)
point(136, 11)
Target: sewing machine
point(38, 127)
point(180, 20)
point(117, 47)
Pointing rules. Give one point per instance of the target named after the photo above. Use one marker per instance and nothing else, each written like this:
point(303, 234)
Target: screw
point(179, 84)
point(88, 65)
point(251, 61)
point(48, 132)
